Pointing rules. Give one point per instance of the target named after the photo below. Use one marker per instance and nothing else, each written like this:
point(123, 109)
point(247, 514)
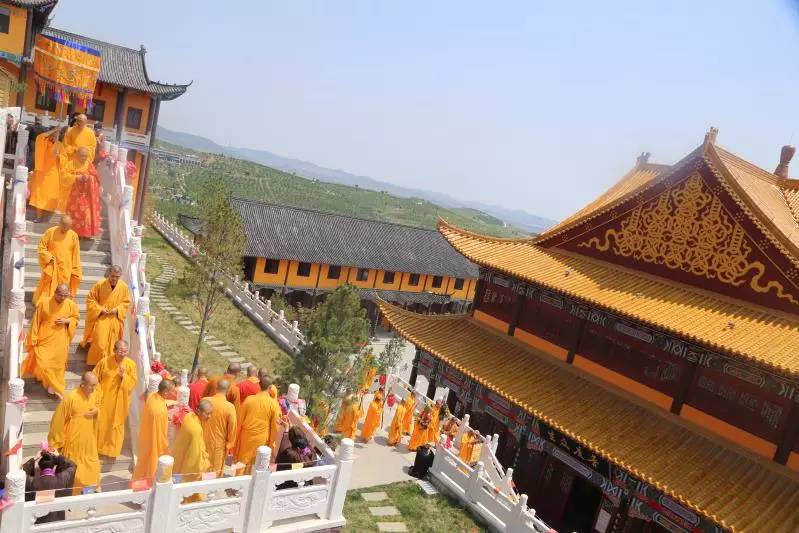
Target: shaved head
point(65, 222)
point(61, 292)
point(265, 382)
point(88, 383)
point(202, 372)
point(262, 372)
point(223, 385)
point(165, 386)
point(252, 371)
point(234, 369)
point(204, 409)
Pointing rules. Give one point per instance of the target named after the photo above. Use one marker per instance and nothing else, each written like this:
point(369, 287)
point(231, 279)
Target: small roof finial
point(642, 159)
point(142, 49)
point(710, 136)
point(786, 154)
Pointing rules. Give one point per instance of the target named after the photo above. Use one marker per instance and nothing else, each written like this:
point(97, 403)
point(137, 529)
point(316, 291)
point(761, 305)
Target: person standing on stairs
point(59, 259)
point(260, 416)
point(106, 309)
point(249, 385)
point(117, 376)
point(197, 388)
point(52, 328)
point(80, 136)
point(219, 431)
point(233, 395)
point(73, 431)
point(191, 456)
point(153, 440)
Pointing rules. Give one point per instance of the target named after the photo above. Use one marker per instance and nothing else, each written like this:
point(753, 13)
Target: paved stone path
point(158, 297)
point(383, 510)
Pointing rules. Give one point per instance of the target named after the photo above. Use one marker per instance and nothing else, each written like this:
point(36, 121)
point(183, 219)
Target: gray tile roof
point(285, 232)
point(397, 297)
point(122, 66)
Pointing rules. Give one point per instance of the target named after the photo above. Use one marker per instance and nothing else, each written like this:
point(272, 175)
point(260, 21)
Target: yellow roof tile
point(739, 491)
point(751, 332)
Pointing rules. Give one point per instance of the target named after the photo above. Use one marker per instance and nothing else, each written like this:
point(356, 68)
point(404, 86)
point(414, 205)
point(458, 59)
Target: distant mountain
point(516, 217)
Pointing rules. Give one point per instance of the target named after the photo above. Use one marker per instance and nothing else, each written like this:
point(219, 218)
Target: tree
point(222, 245)
point(389, 359)
point(329, 366)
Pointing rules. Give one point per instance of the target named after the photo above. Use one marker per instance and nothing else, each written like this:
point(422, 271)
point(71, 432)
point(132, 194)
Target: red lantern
point(390, 399)
point(382, 379)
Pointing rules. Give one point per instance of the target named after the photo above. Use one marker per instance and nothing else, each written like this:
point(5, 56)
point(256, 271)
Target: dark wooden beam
point(119, 124)
point(789, 436)
point(415, 367)
point(144, 178)
point(578, 338)
point(684, 387)
point(517, 313)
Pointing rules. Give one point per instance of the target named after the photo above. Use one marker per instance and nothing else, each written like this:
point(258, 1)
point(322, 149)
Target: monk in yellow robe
point(191, 457)
point(117, 376)
point(153, 430)
point(374, 417)
point(433, 430)
point(106, 309)
point(410, 408)
point(81, 136)
point(59, 259)
point(421, 429)
point(45, 184)
point(467, 443)
point(72, 167)
point(347, 423)
point(395, 431)
point(52, 328)
point(73, 431)
point(260, 414)
point(219, 431)
point(233, 394)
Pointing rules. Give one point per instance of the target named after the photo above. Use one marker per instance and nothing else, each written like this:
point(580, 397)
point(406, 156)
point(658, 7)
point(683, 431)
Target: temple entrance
point(581, 508)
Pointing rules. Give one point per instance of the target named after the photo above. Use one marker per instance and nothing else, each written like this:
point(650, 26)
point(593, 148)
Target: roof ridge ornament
point(710, 136)
point(786, 154)
point(642, 159)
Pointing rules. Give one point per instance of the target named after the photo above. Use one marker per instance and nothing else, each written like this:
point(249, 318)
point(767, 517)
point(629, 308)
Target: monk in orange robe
point(45, 184)
point(83, 203)
point(73, 431)
point(395, 430)
point(433, 430)
point(117, 376)
point(233, 395)
point(348, 419)
point(260, 415)
point(249, 385)
point(153, 441)
point(81, 136)
point(59, 259)
point(420, 429)
point(189, 451)
point(52, 328)
point(73, 167)
point(106, 309)
point(410, 408)
point(374, 416)
point(219, 431)
point(467, 443)
point(197, 388)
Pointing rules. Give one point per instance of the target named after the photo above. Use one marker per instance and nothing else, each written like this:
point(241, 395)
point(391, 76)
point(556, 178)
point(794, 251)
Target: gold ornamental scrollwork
point(687, 229)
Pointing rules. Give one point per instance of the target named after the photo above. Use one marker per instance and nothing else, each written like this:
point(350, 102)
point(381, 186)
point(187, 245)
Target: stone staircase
point(95, 258)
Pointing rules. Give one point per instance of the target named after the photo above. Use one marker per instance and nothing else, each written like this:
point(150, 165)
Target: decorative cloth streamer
point(65, 69)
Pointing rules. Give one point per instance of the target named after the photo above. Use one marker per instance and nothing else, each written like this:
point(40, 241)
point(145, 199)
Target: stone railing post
point(341, 480)
point(473, 487)
point(13, 517)
point(462, 429)
point(160, 506)
point(438, 457)
point(258, 510)
point(494, 443)
point(14, 412)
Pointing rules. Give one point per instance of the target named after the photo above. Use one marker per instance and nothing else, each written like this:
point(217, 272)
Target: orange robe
point(48, 343)
point(153, 441)
point(248, 387)
point(373, 417)
point(233, 394)
point(219, 432)
point(348, 421)
point(116, 402)
point(466, 448)
point(191, 457)
point(102, 331)
point(81, 138)
point(45, 185)
point(65, 248)
point(420, 431)
point(75, 436)
point(395, 431)
point(433, 431)
point(71, 169)
point(260, 414)
point(410, 406)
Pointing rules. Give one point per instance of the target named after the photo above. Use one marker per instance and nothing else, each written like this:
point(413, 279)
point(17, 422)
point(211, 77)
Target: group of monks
point(65, 179)
point(224, 425)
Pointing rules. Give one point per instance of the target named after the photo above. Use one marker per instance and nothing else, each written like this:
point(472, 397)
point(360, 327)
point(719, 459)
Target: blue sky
point(531, 105)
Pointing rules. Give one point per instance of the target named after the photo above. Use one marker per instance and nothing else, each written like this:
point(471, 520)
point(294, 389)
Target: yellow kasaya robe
point(395, 431)
point(75, 436)
point(420, 431)
point(410, 406)
point(347, 423)
point(368, 377)
point(71, 169)
point(81, 138)
point(432, 431)
point(104, 330)
point(260, 414)
point(48, 343)
point(191, 458)
point(467, 447)
point(45, 185)
point(219, 432)
point(233, 394)
point(65, 248)
point(373, 417)
point(153, 442)
point(116, 402)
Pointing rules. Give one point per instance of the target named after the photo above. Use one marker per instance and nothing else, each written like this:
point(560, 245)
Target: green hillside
point(174, 187)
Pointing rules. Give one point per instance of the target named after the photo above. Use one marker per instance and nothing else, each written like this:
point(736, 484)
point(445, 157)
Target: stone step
point(37, 421)
point(96, 256)
point(90, 268)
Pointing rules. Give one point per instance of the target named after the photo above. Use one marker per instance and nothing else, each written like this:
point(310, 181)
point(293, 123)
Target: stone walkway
point(383, 509)
point(158, 297)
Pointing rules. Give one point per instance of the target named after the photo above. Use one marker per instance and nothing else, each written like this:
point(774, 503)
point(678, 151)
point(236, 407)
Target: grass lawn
point(420, 513)
point(229, 324)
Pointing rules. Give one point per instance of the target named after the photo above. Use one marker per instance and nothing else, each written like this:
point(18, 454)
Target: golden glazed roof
point(739, 491)
point(751, 332)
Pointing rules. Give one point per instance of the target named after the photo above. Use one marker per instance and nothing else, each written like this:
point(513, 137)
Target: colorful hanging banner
point(65, 70)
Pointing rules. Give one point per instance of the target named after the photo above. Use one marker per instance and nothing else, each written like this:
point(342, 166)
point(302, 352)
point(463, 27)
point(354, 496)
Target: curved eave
point(443, 224)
